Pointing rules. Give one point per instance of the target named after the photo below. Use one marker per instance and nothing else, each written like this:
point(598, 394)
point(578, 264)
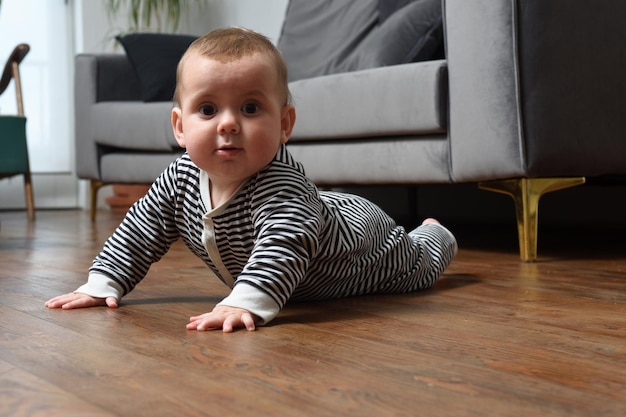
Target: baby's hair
point(230, 44)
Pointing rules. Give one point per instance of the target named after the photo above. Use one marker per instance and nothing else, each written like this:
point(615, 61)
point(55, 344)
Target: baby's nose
point(228, 123)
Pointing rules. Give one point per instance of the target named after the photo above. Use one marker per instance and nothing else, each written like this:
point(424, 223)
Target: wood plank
point(25, 395)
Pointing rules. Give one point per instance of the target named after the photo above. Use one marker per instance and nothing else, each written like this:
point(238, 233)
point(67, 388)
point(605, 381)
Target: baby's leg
point(430, 249)
point(438, 246)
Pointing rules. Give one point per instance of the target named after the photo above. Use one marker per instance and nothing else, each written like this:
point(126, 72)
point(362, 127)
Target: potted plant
point(162, 15)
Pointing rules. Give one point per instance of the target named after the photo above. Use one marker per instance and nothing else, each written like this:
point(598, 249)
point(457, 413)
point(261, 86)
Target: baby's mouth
point(228, 151)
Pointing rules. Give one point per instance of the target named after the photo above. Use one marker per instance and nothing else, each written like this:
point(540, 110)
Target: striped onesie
point(276, 239)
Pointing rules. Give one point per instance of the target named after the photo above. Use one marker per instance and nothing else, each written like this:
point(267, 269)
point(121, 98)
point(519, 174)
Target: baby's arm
point(273, 270)
point(138, 241)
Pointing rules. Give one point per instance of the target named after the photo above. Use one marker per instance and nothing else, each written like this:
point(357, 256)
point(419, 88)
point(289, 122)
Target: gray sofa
point(528, 99)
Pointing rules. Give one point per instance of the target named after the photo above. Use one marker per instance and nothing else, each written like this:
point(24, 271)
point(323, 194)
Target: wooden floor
point(495, 337)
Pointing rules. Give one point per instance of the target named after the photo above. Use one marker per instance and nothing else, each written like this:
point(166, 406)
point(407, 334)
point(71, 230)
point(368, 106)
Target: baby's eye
point(208, 110)
point(250, 108)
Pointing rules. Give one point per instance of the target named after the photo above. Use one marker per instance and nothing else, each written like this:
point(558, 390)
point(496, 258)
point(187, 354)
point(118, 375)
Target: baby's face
point(231, 118)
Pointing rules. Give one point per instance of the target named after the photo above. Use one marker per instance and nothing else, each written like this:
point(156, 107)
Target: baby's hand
point(77, 300)
point(223, 317)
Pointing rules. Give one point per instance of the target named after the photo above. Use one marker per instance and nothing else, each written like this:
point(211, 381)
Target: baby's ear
point(177, 125)
point(287, 122)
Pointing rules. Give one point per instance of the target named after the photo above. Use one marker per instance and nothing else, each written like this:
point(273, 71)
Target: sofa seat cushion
point(133, 125)
point(409, 99)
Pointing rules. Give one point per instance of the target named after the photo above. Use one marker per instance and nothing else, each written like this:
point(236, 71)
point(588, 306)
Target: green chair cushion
point(13, 149)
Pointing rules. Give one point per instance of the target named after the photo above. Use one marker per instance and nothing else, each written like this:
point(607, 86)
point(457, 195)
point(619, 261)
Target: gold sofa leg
point(526, 193)
point(95, 185)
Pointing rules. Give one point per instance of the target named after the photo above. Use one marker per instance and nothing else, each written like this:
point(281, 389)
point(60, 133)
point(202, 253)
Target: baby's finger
point(227, 326)
point(248, 321)
point(63, 301)
point(55, 302)
point(82, 301)
point(206, 323)
point(192, 325)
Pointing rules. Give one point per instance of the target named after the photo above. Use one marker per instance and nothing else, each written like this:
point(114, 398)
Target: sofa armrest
point(98, 77)
point(536, 88)
point(484, 119)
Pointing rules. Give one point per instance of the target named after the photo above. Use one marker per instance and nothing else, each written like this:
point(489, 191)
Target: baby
point(244, 206)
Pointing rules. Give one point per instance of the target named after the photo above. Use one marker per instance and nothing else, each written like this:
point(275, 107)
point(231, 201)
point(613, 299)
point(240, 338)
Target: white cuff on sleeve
point(254, 300)
point(101, 286)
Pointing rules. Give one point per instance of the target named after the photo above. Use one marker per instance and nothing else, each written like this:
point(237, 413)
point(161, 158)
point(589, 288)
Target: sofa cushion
point(322, 37)
point(404, 99)
point(318, 35)
point(388, 7)
point(413, 33)
point(154, 57)
point(133, 125)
